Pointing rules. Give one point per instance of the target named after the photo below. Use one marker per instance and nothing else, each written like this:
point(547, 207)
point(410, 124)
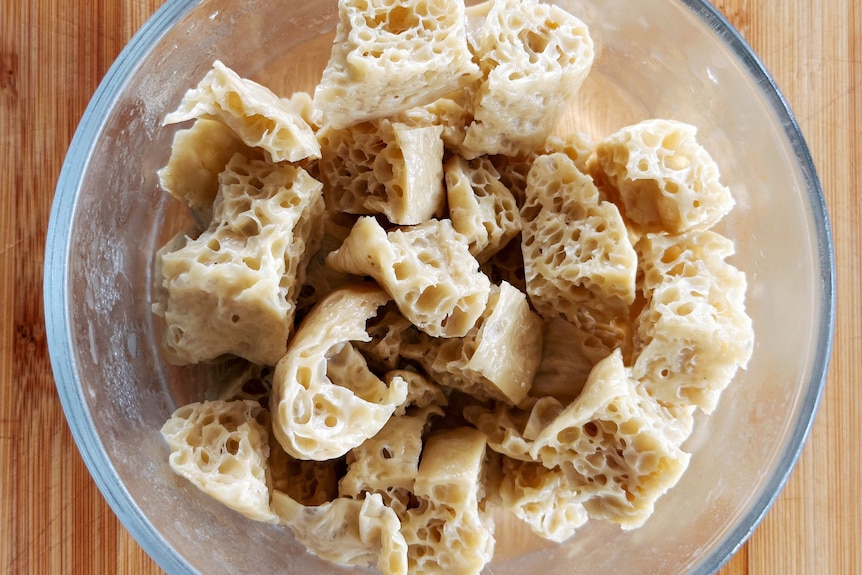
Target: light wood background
point(53, 53)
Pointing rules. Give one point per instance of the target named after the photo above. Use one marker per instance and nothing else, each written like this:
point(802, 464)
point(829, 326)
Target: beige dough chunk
point(661, 177)
point(388, 462)
point(198, 155)
point(534, 58)
point(694, 332)
point(392, 55)
point(570, 237)
point(511, 431)
point(233, 289)
point(504, 429)
point(384, 168)
point(617, 444)
point(480, 206)
point(497, 358)
point(348, 532)
point(578, 259)
point(321, 412)
point(542, 498)
point(427, 269)
point(222, 447)
point(257, 115)
point(450, 532)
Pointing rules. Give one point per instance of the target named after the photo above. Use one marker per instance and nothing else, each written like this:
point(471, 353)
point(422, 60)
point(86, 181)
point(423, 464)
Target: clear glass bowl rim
point(58, 320)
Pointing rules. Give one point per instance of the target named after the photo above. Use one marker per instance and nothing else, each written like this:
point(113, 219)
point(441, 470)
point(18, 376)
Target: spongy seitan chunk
point(257, 115)
point(578, 259)
point(480, 206)
point(392, 55)
point(534, 58)
point(222, 448)
point(384, 168)
point(450, 531)
point(694, 333)
point(497, 358)
point(313, 415)
point(662, 178)
point(427, 269)
point(346, 531)
point(198, 155)
point(570, 237)
point(388, 462)
point(617, 444)
point(233, 289)
point(618, 447)
point(542, 498)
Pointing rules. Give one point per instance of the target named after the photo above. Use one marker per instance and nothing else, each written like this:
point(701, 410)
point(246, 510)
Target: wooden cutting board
point(53, 54)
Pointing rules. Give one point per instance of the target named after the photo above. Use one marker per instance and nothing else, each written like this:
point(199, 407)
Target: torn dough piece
point(511, 431)
point(694, 333)
point(384, 168)
point(258, 116)
point(480, 206)
point(450, 532)
point(388, 462)
point(617, 444)
point(427, 269)
point(347, 532)
point(542, 498)
point(578, 259)
point(618, 447)
point(392, 55)
point(421, 392)
point(572, 238)
point(198, 155)
point(313, 415)
point(534, 58)
point(222, 447)
point(234, 288)
point(497, 358)
point(662, 178)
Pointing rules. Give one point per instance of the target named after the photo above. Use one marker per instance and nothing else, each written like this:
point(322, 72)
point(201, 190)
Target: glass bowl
point(676, 59)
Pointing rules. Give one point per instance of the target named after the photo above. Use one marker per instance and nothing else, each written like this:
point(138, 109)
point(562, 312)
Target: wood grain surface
point(53, 53)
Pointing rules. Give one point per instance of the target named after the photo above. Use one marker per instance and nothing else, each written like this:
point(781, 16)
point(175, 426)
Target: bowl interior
point(667, 59)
